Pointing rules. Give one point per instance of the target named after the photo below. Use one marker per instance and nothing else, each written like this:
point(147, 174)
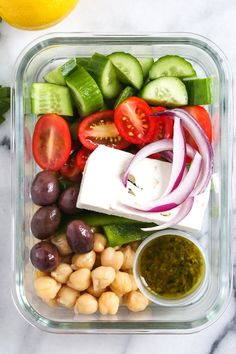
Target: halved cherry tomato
point(82, 157)
point(202, 117)
point(99, 128)
point(165, 125)
point(133, 122)
point(51, 142)
point(70, 170)
point(164, 128)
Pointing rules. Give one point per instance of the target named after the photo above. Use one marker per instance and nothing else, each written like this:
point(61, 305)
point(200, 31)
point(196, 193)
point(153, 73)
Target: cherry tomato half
point(82, 157)
point(99, 128)
point(51, 142)
point(164, 128)
point(70, 170)
point(133, 122)
point(202, 117)
point(165, 125)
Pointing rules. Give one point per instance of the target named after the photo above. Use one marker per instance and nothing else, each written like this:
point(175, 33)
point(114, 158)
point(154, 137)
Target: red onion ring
point(184, 210)
point(201, 140)
point(179, 157)
point(177, 196)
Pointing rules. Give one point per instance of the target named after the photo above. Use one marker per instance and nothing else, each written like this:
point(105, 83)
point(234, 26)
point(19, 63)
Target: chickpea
point(62, 245)
point(86, 304)
point(62, 273)
point(108, 303)
point(128, 258)
point(100, 242)
point(102, 277)
point(112, 258)
point(80, 279)
point(136, 301)
point(67, 296)
point(39, 274)
point(133, 283)
point(96, 293)
point(46, 287)
point(52, 302)
point(122, 284)
point(85, 260)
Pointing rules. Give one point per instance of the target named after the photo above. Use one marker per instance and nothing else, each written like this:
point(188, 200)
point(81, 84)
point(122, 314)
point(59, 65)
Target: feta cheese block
point(102, 189)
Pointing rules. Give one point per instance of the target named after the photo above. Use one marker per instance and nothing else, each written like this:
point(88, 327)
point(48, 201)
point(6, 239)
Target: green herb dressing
point(171, 266)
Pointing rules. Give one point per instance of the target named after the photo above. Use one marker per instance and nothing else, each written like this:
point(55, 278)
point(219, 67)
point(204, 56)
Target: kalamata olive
point(79, 236)
point(45, 188)
point(45, 221)
point(68, 199)
point(45, 256)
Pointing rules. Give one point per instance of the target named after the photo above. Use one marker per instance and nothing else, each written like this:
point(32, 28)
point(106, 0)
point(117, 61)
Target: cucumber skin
point(180, 62)
point(121, 234)
point(157, 102)
point(121, 76)
point(40, 90)
point(199, 91)
point(126, 93)
point(88, 99)
point(97, 65)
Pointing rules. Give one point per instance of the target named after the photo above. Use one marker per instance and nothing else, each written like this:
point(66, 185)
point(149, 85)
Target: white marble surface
point(214, 19)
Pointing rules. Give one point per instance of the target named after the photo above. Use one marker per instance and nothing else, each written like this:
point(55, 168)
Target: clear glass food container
point(52, 50)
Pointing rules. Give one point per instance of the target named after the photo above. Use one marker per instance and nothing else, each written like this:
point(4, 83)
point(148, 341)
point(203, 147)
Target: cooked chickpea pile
point(99, 280)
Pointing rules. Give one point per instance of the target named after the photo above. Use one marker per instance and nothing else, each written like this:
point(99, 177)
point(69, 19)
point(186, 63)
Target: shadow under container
point(52, 50)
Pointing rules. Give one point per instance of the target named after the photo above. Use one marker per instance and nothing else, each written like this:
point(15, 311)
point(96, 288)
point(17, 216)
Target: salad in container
point(121, 183)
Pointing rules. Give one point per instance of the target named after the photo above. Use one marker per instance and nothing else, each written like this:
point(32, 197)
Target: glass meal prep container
point(52, 50)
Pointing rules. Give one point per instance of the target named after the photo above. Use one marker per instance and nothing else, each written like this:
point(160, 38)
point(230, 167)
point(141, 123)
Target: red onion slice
point(179, 157)
point(202, 141)
point(155, 147)
point(177, 196)
point(152, 148)
point(184, 210)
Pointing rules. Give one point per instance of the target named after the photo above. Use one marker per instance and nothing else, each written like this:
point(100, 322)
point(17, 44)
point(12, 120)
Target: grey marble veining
point(214, 19)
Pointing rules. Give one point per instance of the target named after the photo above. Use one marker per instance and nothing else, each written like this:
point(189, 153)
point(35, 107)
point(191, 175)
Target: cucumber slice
point(165, 91)
point(146, 64)
point(128, 68)
point(104, 73)
point(50, 98)
point(85, 91)
point(83, 62)
point(171, 65)
point(120, 234)
point(199, 91)
point(126, 93)
point(56, 76)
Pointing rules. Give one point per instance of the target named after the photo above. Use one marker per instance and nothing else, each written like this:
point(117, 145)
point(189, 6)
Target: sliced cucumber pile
point(171, 65)
point(85, 91)
point(50, 98)
point(199, 91)
point(129, 70)
point(104, 73)
point(165, 91)
point(97, 83)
